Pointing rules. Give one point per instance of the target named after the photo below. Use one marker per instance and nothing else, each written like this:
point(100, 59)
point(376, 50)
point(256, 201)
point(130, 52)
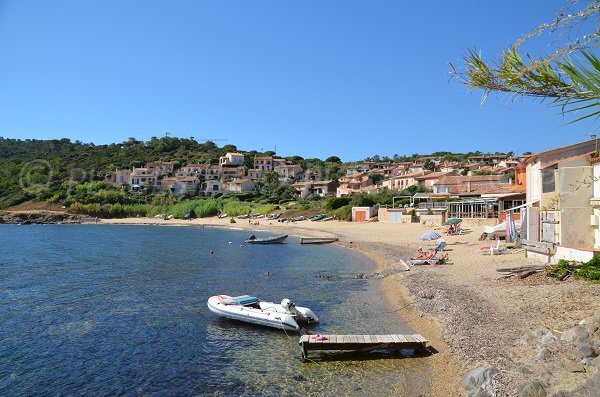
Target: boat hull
point(268, 240)
point(269, 318)
point(316, 240)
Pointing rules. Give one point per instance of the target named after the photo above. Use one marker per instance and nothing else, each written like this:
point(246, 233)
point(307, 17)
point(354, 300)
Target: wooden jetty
point(362, 342)
point(318, 240)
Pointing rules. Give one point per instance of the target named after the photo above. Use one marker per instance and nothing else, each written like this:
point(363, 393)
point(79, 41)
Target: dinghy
point(285, 315)
point(269, 240)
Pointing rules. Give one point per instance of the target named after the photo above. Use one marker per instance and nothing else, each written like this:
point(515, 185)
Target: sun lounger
point(433, 261)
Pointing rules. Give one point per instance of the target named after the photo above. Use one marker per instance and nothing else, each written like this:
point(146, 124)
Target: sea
point(120, 310)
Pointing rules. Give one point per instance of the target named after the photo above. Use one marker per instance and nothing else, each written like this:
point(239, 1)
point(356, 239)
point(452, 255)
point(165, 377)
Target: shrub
point(343, 213)
point(333, 203)
point(234, 207)
point(265, 209)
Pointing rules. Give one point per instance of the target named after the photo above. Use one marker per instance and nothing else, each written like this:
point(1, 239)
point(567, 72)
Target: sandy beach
point(472, 316)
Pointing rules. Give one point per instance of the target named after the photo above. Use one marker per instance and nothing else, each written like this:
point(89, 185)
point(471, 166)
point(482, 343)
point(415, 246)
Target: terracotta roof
point(459, 179)
point(433, 175)
point(188, 179)
point(487, 188)
point(413, 174)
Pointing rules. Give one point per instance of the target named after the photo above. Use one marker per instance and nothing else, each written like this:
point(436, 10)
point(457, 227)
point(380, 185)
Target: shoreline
point(473, 317)
point(446, 368)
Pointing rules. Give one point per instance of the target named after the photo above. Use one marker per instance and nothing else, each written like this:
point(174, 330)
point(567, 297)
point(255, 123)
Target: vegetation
point(588, 270)
point(572, 82)
point(71, 174)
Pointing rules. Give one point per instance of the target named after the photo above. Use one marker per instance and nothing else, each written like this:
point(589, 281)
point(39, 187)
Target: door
point(360, 216)
point(396, 217)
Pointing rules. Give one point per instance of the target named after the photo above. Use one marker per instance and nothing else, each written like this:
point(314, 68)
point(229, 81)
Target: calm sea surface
point(121, 310)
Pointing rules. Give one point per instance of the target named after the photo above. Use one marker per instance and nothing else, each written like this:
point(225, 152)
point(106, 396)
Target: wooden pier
point(362, 342)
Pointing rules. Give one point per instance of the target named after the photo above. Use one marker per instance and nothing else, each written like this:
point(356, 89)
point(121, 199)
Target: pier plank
point(362, 342)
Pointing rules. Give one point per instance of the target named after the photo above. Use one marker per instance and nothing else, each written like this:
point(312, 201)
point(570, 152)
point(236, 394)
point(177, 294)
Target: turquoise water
point(121, 310)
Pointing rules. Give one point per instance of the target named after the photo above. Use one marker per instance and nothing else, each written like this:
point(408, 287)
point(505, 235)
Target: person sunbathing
point(421, 254)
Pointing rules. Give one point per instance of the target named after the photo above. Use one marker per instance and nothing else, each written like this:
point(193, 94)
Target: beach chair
point(494, 248)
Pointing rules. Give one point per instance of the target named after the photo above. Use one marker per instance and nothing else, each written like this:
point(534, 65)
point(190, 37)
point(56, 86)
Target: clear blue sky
point(313, 78)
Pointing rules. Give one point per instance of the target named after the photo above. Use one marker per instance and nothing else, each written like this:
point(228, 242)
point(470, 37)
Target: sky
point(351, 78)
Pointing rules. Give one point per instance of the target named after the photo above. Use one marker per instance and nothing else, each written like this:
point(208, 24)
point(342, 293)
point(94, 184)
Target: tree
point(333, 159)
point(429, 165)
point(376, 178)
point(571, 82)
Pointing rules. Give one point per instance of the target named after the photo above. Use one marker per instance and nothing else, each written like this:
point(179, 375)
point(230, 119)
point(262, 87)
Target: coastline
point(446, 368)
point(473, 317)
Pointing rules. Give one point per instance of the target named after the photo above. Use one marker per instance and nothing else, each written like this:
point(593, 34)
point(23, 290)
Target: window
point(548, 181)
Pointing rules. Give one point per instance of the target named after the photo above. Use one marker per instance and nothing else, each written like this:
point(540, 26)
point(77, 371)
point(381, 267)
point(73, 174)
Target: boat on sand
point(267, 240)
point(285, 315)
point(318, 240)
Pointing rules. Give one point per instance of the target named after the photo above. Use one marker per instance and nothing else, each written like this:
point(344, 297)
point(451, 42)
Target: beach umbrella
point(430, 236)
point(453, 221)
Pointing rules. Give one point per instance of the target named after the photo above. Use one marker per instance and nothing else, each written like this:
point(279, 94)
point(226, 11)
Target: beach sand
point(471, 315)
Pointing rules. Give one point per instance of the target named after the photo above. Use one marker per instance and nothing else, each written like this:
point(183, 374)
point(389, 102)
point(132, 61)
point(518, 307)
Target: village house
point(161, 167)
point(354, 169)
point(487, 159)
point(255, 174)
point(179, 186)
point(191, 169)
point(139, 177)
point(210, 188)
point(278, 161)
point(402, 181)
point(459, 183)
point(232, 159)
point(119, 178)
point(558, 219)
point(316, 188)
point(429, 179)
point(240, 186)
point(233, 172)
point(264, 163)
point(289, 172)
point(311, 175)
point(352, 183)
point(449, 166)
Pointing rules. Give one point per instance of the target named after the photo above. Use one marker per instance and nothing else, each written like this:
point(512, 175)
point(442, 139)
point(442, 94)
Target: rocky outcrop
point(563, 364)
point(30, 218)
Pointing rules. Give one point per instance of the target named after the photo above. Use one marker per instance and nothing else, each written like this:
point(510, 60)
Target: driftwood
point(526, 271)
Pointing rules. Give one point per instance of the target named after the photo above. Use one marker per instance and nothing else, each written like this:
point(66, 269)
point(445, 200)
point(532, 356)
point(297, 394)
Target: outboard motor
point(289, 306)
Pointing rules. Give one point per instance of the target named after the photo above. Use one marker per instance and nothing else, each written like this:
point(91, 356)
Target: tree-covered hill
point(39, 168)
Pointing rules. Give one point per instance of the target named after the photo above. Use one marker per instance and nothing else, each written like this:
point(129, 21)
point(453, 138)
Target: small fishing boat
point(318, 240)
point(285, 315)
point(267, 240)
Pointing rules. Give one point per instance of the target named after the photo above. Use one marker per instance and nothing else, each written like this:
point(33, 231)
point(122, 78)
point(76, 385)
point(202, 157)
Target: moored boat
point(285, 315)
point(267, 240)
point(318, 240)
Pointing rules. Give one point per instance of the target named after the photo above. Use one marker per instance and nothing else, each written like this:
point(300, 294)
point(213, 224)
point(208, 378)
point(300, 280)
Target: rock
point(592, 385)
point(479, 393)
point(543, 355)
point(574, 367)
point(596, 362)
point(531, 389)
point(588, 361)
point(585, 348)
point(479, 380)
point(426, 295)
point(563, 394)
point(591, 329)
point(576, 333)
point(524, 370)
